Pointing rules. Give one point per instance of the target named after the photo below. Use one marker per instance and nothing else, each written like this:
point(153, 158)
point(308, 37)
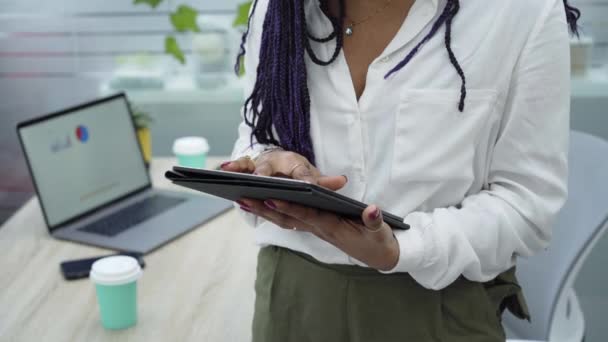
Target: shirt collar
point(422, 13)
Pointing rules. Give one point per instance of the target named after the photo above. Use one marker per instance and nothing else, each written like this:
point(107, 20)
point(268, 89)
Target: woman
point(451, 114)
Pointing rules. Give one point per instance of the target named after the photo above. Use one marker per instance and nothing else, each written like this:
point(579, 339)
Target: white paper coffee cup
point(191, 151)
point(115, 280)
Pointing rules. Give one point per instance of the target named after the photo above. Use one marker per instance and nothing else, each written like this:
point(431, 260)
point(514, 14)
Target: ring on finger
point(294, 168)
point(250, 161)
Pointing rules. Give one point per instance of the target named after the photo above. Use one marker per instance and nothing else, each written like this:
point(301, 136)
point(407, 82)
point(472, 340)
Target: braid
point(453, 60)
point(335, 25)
point(573, 14)
point(440, 21)
point(280, 96)
point(449, 12)
point(241, 54)
point(339, 39)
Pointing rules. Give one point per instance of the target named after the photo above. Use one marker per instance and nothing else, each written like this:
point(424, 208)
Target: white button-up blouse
point(478, 187)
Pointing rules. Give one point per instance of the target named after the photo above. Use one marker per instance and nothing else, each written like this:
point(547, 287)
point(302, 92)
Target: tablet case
point(234, 186)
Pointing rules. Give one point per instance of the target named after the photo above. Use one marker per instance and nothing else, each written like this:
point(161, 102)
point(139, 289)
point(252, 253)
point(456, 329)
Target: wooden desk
point(197, 288)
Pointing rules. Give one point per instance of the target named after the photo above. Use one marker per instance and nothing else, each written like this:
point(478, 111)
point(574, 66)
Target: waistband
point(346, 270)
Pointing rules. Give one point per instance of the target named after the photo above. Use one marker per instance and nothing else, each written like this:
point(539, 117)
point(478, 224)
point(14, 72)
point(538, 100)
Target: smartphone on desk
point(78, 269)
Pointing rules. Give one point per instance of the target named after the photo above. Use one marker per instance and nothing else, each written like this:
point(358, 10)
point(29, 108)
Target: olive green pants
point(299, 299)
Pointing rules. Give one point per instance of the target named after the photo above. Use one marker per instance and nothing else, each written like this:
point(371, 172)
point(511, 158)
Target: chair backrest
point(546, 277)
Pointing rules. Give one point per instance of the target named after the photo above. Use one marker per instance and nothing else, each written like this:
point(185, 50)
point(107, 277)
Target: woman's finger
point(243, 164)
point(301, 170)
point(264, 168)
point(285, 164)
point(372, 219)
point(284, 221)
point(332, 182)
point(320, 219)
point(292, 165)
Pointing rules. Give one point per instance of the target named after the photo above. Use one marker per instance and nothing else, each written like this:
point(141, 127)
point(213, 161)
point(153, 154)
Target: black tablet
point(234, 186)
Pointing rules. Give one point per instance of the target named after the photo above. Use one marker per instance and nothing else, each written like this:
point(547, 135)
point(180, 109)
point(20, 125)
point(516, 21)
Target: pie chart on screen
point(82, 133)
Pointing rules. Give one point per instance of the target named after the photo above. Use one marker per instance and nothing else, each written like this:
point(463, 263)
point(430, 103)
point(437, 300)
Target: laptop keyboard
point(132, 215)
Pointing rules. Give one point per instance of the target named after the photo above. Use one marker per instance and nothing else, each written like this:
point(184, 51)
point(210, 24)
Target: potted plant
point(142, 121)
point(183, 19)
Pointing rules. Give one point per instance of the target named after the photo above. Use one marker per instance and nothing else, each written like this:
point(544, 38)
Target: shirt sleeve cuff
point(412, 248)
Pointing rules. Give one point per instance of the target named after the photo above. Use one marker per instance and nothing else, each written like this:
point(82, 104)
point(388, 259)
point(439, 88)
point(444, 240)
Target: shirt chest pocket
point(434, 142)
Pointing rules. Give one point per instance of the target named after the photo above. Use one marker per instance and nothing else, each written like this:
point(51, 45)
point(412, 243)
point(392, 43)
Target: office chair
point(547, 279)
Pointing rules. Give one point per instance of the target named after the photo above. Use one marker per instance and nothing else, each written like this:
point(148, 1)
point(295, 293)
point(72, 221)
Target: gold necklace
point(349, 28)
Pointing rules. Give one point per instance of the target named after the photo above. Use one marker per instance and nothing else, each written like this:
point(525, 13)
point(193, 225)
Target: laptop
point(93, 185)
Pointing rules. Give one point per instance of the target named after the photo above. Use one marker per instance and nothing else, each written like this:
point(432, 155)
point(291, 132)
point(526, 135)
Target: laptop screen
point(84, 158)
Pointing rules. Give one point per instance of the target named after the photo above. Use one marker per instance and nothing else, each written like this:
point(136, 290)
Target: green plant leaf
point(242, 14)
point(184, 19)
point(151, 3)
point(141, 118)
point(172, 48)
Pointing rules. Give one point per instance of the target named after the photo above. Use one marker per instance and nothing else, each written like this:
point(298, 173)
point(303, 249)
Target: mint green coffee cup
point(191, 151)
point(115, 280)
point(197, 161)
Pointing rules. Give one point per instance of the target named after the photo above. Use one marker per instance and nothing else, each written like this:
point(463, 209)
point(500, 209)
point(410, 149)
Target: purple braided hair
point(280, 96)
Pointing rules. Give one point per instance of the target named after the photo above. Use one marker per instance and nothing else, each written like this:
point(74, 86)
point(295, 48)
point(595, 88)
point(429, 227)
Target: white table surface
point(197, 288)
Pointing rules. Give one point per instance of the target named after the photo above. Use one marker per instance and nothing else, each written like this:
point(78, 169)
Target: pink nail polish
point(246, 209)
point(374, 214)
point(270, 204)
point(224, 164)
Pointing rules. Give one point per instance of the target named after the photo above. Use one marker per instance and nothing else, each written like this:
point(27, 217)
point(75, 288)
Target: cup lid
point(190, 145)
point(581, 40)
point(115, 270)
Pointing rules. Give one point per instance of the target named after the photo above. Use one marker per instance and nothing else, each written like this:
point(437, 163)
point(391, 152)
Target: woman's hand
point(280, 163)
point(371, 242)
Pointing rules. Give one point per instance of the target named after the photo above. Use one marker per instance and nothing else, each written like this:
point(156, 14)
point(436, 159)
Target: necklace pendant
point(349, 30)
